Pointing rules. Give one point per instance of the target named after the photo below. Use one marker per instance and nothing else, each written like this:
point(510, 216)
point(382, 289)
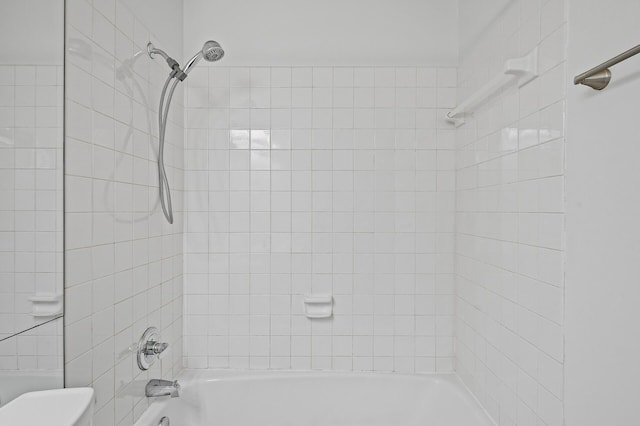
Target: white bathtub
point(215, 398)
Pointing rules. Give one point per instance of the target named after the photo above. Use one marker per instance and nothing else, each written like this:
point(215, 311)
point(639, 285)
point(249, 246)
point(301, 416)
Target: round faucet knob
point(149, 348)
point(155, 348)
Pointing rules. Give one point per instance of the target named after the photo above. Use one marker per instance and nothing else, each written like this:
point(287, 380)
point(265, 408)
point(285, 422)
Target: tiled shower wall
point(510, 219)
point(123, 260)
point(319, 181)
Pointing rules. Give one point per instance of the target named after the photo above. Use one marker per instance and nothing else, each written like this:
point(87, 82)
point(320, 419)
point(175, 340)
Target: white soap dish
point(318, 305)
point(46, 305)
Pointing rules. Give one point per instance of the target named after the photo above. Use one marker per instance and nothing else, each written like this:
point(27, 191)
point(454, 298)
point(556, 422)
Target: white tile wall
point(319, 180)
point(30, 192)
point(40, 348)
point(510, 219)
point(123, 260)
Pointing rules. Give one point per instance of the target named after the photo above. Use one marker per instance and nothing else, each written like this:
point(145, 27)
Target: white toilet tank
point(59, 407)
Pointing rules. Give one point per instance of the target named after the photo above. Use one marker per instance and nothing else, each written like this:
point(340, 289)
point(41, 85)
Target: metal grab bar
point(599, 77)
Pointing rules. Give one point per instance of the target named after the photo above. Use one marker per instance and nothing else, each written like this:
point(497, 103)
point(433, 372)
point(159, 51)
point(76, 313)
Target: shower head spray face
point(212, 51)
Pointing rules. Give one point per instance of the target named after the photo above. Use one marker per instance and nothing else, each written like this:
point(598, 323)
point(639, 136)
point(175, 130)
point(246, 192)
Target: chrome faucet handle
point(150, 348)
point(155, 348)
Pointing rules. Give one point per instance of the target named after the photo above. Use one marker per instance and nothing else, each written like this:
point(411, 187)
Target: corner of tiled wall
point(123, 261)
point(510, 220)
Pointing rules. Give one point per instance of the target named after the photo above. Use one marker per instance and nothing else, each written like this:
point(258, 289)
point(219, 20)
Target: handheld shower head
point(211, 51)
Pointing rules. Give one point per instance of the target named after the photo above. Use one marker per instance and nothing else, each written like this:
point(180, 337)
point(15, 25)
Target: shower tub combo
point(223, 398)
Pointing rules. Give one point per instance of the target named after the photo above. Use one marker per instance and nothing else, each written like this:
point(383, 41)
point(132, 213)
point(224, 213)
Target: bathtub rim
point(191, 376)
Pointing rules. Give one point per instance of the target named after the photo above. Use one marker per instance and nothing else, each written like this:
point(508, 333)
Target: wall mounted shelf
point(318, 305)
point(46, 305)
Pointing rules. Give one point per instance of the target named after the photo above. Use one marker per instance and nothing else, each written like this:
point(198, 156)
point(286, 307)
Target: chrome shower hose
point(163, 183)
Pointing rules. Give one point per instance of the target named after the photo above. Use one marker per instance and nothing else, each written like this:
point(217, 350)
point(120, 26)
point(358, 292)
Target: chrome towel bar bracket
point(599, 77)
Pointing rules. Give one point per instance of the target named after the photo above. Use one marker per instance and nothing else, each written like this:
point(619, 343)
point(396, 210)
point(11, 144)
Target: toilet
point(59, 407)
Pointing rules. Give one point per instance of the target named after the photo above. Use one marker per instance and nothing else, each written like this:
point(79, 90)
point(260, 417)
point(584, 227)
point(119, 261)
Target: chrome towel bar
point(599, 77)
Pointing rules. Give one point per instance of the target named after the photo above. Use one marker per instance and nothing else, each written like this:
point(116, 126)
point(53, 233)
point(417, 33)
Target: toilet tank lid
point(58, 407)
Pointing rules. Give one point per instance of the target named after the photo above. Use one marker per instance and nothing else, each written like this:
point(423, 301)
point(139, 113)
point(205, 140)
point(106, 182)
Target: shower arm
point(173, 64)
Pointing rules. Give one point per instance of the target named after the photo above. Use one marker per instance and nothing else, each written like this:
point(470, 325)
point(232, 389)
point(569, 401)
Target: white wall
point(31, 32)
point(510, 214)
point(329, 32)
point(31, 188)
point(123, 260)
point(603, 207)
point(322, 180)
point(164, 18)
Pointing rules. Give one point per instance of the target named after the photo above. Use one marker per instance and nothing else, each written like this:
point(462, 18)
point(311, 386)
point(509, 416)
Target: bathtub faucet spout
point(159, 387)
